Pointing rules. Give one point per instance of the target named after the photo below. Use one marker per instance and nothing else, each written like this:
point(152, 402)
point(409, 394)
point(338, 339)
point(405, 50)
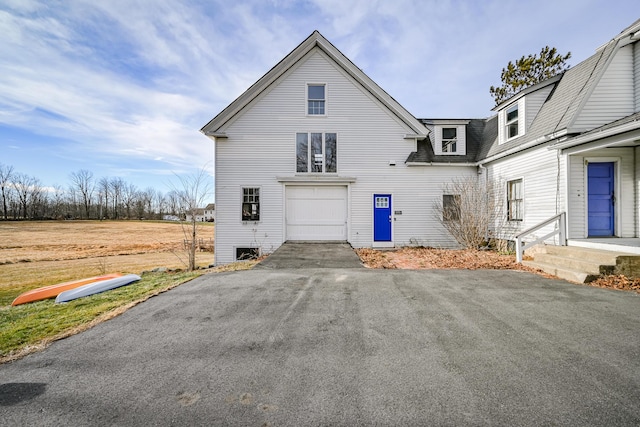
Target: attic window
point(449, 140)
point(316, 99)
point(512, 122)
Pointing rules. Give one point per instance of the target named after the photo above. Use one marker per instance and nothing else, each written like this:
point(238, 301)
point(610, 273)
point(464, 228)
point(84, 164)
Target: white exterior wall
point(542, 173)
point(626, 186)
point(533, 103)
point(613, 97)
point(261, 147)
point(636, 74)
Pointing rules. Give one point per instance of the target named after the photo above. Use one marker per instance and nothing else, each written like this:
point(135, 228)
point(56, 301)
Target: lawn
point(35, 254)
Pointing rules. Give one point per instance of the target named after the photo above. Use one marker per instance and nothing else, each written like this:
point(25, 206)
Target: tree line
point(24, 197)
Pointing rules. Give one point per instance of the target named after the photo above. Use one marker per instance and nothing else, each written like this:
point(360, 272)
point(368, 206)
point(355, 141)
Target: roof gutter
point(590, 137)
point(530, 144)
point(466, 164)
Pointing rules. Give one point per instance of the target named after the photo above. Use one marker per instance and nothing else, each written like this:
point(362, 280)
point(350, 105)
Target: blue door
point(601, 199)
point(382, 217)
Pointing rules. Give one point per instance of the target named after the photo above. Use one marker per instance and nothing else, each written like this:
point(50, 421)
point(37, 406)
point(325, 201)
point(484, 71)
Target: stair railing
point(560, 230)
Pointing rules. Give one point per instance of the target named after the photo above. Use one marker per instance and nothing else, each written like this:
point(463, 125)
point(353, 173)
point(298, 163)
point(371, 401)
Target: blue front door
point(601, 199)
point(382, 217)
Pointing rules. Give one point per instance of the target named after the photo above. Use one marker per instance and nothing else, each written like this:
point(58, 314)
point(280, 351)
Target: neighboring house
point(316, 151)
point(203, 214)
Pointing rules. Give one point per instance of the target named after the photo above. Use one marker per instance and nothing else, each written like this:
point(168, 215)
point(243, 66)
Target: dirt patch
point(429, 258)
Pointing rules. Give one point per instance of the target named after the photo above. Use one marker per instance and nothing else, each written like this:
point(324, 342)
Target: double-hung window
point(316, 98)
point(251, 204)
point(451, 207)
point(515, 200)
point(316, 152)
point(511, 122)
point(449, 140)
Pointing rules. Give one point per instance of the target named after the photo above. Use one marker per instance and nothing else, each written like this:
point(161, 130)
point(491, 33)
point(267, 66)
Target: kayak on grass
point(53, 291)
point(96, 288)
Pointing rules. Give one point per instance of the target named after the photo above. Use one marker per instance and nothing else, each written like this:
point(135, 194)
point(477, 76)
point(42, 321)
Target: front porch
point(623, 245)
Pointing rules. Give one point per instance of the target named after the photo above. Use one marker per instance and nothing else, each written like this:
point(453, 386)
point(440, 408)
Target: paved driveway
point(345, 347)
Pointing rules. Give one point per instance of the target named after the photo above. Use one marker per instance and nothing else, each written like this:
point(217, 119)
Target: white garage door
point(316, 212)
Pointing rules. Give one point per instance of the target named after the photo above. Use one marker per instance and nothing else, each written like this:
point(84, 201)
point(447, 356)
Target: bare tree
point(104, 188)
point(471, 210)
point(6, 174)
point(129, 194)
point(117, 185)
point(83, 182)
point(28, 189)
point(192, 193)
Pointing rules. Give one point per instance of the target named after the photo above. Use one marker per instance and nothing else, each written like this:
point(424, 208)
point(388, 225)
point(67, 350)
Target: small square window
point(515, 200)
point(251, 204)
point(316, 99)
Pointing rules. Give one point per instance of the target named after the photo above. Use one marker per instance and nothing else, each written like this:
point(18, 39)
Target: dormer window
point(450, 138)
point(316, 98)
point(512, 122)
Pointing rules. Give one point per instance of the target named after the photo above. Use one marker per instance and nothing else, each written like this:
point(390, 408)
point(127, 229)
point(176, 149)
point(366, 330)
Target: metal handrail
point(561, 218)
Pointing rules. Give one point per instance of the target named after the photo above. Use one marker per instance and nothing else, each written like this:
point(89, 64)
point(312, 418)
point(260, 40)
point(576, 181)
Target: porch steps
point(583, 265)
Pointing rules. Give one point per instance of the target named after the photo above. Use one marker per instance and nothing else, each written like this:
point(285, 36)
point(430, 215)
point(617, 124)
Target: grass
point(41, 253)
point(33, 326)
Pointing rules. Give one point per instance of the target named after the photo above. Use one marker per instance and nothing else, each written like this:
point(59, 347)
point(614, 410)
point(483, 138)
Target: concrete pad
point(312, 255)
point(345, 347)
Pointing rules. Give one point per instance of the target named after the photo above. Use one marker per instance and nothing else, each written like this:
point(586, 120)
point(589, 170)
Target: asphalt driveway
point(348, 347)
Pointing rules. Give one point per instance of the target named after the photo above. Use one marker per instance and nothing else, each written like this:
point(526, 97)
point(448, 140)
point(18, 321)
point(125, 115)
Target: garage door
point(316, 212)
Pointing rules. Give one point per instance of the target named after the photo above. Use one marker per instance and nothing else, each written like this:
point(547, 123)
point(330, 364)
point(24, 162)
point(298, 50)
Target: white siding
point(261, 147)
point(533, 103)
point(543, 174)
point(626, 205)
point(636, 74)
point(613, 96)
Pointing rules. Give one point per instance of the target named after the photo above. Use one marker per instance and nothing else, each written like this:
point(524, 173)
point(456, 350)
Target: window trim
point(460, 139)
point(504, 123)
point(445, 207)
point(449, 142)
point(307, 99)
point(310, 156)
point(510, 201)
point(242, 203)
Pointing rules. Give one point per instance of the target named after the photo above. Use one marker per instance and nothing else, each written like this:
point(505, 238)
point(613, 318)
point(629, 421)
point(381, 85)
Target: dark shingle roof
point(425, 153)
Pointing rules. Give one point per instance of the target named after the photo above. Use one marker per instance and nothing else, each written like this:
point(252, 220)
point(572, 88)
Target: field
point(34, 254)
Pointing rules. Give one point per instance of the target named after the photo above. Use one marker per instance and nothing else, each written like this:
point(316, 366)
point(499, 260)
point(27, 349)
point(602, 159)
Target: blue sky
point(122, 88)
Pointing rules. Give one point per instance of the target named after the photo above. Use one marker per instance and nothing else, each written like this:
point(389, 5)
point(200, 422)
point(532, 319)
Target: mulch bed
point(430, 258)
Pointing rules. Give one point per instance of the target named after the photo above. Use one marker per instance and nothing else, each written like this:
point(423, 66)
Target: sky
point(122, 87)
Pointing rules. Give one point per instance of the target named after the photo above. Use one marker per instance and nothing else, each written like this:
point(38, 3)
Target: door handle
point(613, 198)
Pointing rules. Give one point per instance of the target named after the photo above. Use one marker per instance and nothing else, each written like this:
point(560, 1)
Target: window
point(451, 207)
point(449, 140)
point(515, 200)
point(315, 99)
point(511, 122)
point(244, 254)
point(251, 204)
point(316, 152)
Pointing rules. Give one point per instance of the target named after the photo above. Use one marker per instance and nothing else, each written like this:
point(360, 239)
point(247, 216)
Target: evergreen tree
point(528, 71)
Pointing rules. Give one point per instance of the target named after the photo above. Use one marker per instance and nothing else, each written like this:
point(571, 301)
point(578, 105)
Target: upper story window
point(316, 152)
point(316, 99)
point(512, 122)
point(450, 138)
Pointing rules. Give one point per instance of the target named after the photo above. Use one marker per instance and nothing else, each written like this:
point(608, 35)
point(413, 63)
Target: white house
point(316, 151)
point(206, 214)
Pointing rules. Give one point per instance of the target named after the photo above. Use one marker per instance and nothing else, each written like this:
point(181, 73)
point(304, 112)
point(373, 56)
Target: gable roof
point(214, 127)
point(561, 108)
point(473, 140)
